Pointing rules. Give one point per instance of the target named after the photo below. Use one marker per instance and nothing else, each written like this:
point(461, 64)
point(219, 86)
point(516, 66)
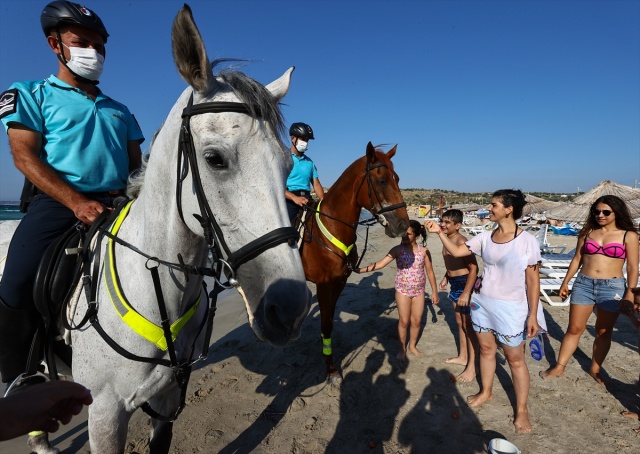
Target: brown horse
point(329, 234)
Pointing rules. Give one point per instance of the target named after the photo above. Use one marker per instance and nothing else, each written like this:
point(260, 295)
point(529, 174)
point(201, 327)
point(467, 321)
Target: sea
point(10, 211)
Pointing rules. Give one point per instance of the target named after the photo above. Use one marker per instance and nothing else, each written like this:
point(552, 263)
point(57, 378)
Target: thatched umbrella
point(578, 210)
point(538, 205)
point(465, 207)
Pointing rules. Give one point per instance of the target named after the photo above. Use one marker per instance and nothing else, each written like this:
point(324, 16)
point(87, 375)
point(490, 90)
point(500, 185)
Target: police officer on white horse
point(76, 147)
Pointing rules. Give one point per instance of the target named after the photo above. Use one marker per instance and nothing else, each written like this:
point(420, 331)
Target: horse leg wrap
point(326, 346)
point(17, 327)
point(39, 442)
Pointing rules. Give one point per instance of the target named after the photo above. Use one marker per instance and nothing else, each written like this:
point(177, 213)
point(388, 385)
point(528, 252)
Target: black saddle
point(58, 273)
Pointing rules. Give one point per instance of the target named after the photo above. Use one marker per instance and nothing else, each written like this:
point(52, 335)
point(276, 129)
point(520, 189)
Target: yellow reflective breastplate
point(336, 242)
point(138, 323)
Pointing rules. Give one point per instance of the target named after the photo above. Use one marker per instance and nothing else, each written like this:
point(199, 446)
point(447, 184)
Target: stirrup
point(23, 380)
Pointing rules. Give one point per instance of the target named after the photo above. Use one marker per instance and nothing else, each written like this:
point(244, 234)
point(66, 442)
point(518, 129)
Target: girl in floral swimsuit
point(413, 268)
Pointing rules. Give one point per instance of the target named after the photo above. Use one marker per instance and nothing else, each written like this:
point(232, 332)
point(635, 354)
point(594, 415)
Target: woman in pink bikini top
point(606, 241)
point(613, 250)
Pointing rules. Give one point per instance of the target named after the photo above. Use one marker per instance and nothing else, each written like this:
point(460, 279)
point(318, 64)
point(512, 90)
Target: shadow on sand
point(369, 400)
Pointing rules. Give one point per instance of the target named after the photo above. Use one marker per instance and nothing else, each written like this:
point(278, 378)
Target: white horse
point(218, 166)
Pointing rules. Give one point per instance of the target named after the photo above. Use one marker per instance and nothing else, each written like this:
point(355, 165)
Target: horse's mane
point(250, 92)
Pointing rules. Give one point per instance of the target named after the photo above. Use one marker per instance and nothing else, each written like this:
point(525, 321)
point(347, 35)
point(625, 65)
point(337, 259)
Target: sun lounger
point(555, 263)
point(553, 273)
point(548, 286)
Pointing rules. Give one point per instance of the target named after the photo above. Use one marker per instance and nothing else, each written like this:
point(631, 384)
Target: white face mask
point(85, 63)
point(301, 146)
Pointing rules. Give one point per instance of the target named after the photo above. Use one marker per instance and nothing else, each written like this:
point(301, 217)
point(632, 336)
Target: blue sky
point(478, 95)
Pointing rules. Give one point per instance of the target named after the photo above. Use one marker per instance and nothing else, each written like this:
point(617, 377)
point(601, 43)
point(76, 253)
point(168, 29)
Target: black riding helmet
point(60, 13)
point(301, 130)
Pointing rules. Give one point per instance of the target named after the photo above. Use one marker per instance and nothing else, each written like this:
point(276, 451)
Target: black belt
point(114, 193)
point(301, 192)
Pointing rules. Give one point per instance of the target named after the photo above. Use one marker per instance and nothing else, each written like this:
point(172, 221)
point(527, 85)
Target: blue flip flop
point(536, 345)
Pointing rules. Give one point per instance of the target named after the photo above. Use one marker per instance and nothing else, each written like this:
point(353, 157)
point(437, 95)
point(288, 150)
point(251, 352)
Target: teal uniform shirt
point(84, 141)
point(302, 174)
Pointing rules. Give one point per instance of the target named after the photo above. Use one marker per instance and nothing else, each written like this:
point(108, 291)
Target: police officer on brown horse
point(304, 172)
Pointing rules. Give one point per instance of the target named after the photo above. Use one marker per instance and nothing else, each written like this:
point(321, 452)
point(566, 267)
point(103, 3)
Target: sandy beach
point(252, 397)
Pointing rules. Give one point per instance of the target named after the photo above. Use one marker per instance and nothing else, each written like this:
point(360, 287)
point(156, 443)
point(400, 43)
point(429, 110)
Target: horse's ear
point(279, 87)
point(189, 52)
point(371, 152)
point(391, 153)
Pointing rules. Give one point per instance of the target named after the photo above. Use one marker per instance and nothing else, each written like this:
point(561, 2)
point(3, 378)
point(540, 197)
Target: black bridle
point(187, 159)
point(377, 213)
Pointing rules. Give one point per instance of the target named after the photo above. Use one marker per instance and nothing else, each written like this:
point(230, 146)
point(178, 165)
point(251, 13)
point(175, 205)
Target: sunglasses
point(605, 212)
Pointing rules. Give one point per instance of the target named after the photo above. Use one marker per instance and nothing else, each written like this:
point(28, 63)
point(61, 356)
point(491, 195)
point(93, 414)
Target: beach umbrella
point(483, 213)
point(538, 205)
point(577, 210)
point(466, 207)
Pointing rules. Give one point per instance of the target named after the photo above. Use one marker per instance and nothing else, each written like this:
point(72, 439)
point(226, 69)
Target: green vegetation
point(413, 196)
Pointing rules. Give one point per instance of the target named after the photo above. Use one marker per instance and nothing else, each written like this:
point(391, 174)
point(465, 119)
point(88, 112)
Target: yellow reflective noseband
point(140, 325)
point(336, 242)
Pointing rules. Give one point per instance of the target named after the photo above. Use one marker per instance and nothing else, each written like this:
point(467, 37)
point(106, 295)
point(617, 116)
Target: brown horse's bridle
point(378, 214)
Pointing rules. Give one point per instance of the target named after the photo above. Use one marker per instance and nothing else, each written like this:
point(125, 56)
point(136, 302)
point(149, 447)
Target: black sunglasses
point(605, 212)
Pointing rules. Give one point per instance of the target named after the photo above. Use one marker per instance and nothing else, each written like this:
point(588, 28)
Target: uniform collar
point(57, 82)
point(299, 158)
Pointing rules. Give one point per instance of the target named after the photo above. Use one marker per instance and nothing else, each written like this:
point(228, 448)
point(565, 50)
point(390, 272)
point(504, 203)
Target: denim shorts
point(605, 293)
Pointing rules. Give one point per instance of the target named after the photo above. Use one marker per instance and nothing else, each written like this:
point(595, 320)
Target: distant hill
point(414, 196)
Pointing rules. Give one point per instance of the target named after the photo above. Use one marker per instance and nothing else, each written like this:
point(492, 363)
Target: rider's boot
point(17, 327)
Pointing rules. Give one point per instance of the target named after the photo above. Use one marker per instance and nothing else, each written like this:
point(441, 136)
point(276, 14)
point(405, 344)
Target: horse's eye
point(382, 181)
point(215, 160)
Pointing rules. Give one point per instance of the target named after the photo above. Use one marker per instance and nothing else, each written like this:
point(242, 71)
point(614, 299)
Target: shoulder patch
point(8, 102)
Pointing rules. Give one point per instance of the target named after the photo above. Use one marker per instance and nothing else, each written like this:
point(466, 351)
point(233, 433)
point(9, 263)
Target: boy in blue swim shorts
point(461, 275)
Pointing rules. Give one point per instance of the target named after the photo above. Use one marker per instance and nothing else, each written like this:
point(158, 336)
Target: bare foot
point(597, 377)
point(402, 357)
point(467, 376)
point(555, 371)
point(478, 399)
point(457, 360)
point(415, 351)
point(522, 423)
point(630, 414)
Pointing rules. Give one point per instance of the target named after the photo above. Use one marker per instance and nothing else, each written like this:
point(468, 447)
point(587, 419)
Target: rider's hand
point(88, 210)
point(300, 200)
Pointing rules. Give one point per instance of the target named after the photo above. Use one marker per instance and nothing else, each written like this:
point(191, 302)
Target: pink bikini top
point(613, 250)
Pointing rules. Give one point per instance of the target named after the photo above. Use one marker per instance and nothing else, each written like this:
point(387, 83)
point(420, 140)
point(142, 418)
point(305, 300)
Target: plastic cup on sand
point(502, 446)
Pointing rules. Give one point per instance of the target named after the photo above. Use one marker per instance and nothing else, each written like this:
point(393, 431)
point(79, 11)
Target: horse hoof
point(334, 379)
point(40, 444)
